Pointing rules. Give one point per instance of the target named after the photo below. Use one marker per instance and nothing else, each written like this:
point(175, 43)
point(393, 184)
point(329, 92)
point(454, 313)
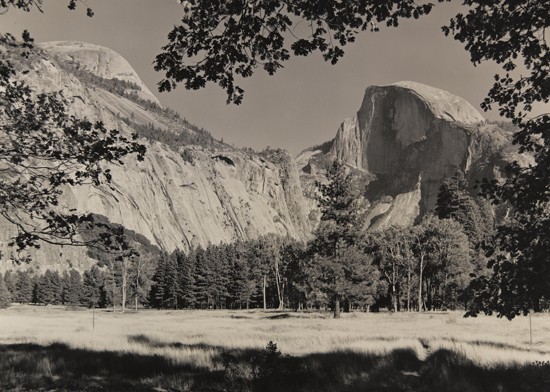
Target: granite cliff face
point(182, 195)
point(192, 190)
point(223, 196)
point(408, 138)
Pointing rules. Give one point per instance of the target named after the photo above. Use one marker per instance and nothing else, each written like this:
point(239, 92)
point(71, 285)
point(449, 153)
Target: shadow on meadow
point(31, 367)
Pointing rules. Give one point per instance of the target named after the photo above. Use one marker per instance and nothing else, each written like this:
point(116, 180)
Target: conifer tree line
point(96, 287)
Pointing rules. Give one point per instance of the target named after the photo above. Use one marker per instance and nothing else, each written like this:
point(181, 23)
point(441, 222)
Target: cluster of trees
point(424, 267)
point(245, 274)
point(427, 266)
point(95, 288)
point(174, 139)
point(48, 288)
point(241, 275)
point(114, 85)
point(121, 276)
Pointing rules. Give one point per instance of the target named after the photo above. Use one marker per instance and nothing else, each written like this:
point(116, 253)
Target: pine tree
point(40, 290)
point(57, 287)
point(296, 273)
point(72, 287)
point(49, 288)
point(64, 286)
point(473, 213)
point(220, 275)
point(158, 288)
point(10, 278)
point(5, 296)
point(35, 280)
point(202, 279)
point(241, 287)
point(340, 228)
point(451, 195)
point(185, 273)
point(24, 287)
point(93, 291)
point(365, 286)
point(258, 260)
point(171, 283)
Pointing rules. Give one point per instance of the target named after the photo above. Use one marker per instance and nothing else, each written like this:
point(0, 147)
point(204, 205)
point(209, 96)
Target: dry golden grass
point(195, 336)
point(197, 339)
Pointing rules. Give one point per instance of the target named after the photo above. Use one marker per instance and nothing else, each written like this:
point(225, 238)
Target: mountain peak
point(99, 60)
point(408, 137)
point(443, 104)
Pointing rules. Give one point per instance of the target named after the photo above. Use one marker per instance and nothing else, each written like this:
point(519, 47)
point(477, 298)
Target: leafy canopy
point(28, 5)
point(513, 34)
point(220, 40)
point(43, 148)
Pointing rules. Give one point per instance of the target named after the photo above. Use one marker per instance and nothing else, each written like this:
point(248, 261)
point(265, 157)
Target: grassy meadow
point(55, 348)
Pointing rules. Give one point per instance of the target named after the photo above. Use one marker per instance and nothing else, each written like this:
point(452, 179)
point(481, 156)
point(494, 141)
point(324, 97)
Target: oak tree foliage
point(28, 5)
point(44, 148)
point(219, 41)
point(513, 34)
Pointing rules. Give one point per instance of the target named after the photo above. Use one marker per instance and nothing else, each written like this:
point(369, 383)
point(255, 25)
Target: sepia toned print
point(258, 195)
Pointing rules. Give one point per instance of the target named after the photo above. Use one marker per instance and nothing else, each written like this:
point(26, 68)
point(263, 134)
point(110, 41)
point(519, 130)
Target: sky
point(301, 105)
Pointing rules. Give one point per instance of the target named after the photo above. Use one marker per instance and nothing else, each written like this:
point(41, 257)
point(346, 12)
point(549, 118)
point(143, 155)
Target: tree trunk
point(421, 269)
point(264, 291)
point(280, 285)
point(337, 308)
point(347, 306)
point(124, 273)
point(113, 289)
point(428, 295)
point(394, 297)
point(394, 283)
point(408, 287)
point(137, 285)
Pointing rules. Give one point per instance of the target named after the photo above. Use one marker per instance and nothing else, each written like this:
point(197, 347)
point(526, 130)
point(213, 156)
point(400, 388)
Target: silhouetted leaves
point(43, 149)
point(513, 35)
point(218, 41)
